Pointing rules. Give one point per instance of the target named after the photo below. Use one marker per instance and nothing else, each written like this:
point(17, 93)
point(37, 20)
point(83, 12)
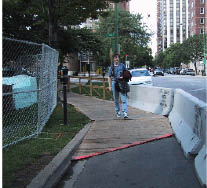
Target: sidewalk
point(108, 132)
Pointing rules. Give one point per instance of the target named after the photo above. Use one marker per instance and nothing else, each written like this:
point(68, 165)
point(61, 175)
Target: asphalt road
point(195, 85)
point(159, 164)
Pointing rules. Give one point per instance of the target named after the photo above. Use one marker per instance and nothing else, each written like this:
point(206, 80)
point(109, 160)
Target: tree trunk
point(52, 24)
point(195, 68)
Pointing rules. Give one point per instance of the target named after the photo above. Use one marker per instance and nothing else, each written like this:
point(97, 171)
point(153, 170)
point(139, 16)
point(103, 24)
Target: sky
point(148, 9)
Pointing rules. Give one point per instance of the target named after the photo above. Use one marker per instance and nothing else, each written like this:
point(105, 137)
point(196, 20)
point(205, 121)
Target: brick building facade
point(198, 16)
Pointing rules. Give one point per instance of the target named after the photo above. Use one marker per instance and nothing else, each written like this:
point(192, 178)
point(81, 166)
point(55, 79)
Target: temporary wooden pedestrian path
point(108, 132)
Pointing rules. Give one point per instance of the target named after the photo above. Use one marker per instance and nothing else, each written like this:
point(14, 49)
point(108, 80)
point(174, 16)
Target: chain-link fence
point(29, 88)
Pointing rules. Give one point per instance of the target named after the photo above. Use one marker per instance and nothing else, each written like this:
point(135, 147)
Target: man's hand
point(110, 83)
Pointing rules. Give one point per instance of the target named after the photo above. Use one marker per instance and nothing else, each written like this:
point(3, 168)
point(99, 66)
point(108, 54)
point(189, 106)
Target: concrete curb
point(52, 173)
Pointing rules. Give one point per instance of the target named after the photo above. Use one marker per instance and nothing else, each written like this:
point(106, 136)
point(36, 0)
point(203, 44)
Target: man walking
point(115, 73)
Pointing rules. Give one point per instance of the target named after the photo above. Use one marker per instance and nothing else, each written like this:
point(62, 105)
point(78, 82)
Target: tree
point(172, 56)
point(133, 38)
point(41, 20)
point(159, 60)
point(193, 47)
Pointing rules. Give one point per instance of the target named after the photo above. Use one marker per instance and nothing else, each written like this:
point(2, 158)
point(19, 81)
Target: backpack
point(127, 76)
point(122, 86)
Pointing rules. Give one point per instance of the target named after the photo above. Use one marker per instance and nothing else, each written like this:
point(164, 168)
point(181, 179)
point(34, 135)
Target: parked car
point(187, 71)
point(183, 71)
point(171, 71)
point(166, 70)
point(158, 72)
point(140, 77)
point(176, 70)
point(190, 72)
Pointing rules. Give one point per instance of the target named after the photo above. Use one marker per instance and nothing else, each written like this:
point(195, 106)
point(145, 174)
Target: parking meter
point(64, 75)
point(64, 80)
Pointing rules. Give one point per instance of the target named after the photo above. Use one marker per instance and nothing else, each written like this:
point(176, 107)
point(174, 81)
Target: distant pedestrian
point(115, 74)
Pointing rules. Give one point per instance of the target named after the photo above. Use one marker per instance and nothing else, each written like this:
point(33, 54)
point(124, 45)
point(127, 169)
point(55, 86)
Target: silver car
point(158, 72)
point(187, 71)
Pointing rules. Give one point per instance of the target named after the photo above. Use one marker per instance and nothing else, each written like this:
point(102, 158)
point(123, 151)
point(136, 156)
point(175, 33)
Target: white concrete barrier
point(187, 116)
point(201, 165)
point(152, 99)
point(188, 121)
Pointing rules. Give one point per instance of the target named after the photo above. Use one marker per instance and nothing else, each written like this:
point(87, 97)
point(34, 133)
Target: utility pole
point(204, 51)
point(116, 30)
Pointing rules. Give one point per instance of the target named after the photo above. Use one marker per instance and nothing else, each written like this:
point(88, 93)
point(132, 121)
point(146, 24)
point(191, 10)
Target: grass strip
point(23, 161)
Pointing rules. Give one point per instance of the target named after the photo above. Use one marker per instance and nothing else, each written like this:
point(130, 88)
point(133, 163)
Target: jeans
point(116, 99)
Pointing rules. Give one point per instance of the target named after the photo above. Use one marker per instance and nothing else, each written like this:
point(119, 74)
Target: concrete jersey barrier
point(187, 116)
point(188, 121)
point(152, 99)
point(201, 165)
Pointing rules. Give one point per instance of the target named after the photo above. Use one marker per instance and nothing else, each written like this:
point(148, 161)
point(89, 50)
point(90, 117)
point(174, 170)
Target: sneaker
point(125, 115)
point(118, 114)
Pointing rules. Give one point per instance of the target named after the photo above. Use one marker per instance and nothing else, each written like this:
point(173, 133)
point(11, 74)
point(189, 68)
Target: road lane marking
point(198, 89)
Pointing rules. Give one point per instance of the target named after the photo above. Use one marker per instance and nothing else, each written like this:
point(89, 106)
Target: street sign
point(110, 35)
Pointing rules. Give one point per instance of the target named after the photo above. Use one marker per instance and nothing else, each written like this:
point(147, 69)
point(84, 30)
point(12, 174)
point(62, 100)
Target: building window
point(202, 1)
point(201, 31)
point(192, 5)
point(202, 21)
point(192, 14)
point(202, 10)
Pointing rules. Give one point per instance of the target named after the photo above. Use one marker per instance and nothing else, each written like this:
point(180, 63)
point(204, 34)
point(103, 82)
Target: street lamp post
point(116, 29)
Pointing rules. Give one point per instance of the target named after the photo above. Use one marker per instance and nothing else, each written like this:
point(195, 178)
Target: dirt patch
point(25, 176)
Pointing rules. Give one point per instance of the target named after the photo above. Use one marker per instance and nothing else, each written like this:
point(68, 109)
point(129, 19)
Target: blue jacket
point(118, 70)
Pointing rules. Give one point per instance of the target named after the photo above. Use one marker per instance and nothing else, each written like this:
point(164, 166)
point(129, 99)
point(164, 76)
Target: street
point(195, 85)
point(141, 166)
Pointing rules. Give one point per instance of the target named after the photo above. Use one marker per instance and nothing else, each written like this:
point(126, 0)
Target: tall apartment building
point(198, 16)
point(179, 19)
point(172, 22)
point(159, 37)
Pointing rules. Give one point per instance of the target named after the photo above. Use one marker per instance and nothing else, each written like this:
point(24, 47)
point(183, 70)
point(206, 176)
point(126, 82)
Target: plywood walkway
point(107, 131)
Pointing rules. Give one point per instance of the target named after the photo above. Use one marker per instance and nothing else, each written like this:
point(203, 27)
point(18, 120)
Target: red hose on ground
point(122, 147)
